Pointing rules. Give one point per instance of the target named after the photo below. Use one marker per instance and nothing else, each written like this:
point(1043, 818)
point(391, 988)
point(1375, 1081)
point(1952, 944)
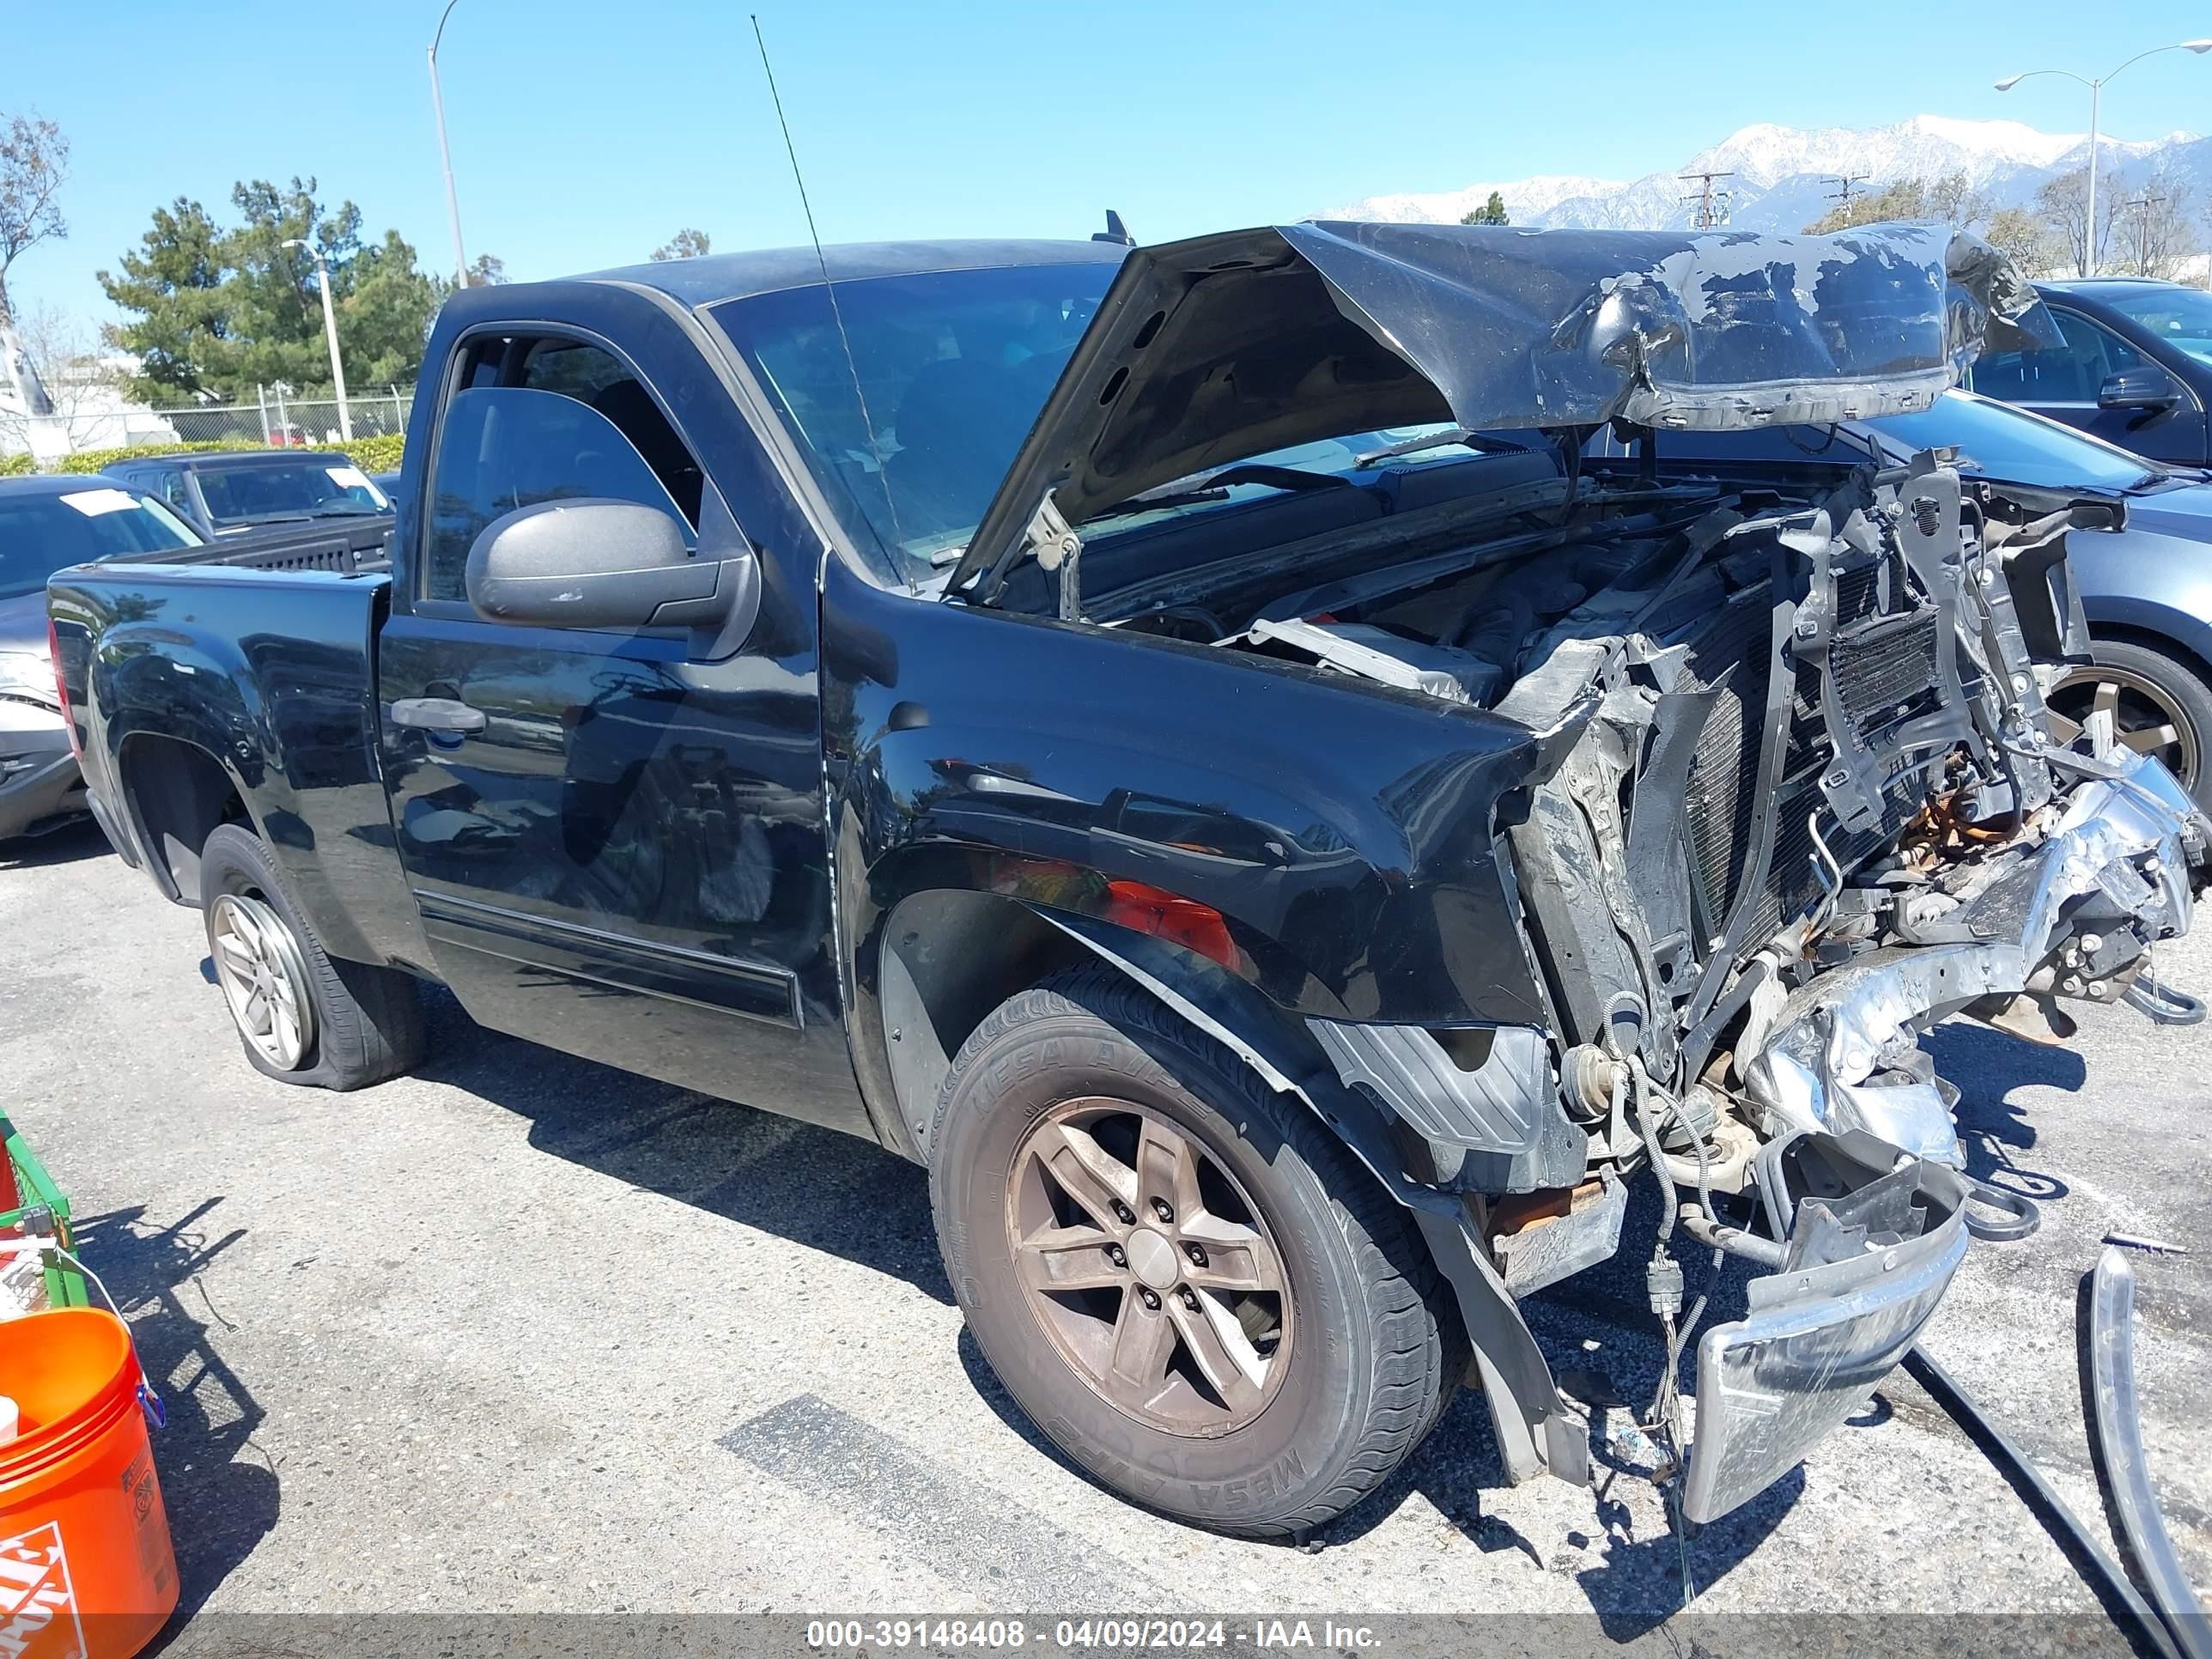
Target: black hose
point(2121, 1601)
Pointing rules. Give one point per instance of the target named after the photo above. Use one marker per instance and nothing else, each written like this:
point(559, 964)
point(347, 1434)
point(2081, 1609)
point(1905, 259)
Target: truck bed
point(265, 672)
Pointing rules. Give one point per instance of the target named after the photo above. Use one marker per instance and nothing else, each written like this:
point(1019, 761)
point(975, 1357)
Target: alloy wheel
point(264, 978)
point(2145, 717)
point(1148, 1267)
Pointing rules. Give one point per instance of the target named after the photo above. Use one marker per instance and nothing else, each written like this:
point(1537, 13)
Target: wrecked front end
point(1791, 800)
point(1848, 759)
point(1795, 804)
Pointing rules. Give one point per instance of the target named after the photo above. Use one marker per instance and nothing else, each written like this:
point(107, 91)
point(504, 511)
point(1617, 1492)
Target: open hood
point(1224, 347)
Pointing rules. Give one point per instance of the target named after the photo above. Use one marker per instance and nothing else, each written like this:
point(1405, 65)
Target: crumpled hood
point(1215, 350)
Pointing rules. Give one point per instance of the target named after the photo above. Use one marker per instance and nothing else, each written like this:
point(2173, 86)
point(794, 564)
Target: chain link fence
point(273, 420)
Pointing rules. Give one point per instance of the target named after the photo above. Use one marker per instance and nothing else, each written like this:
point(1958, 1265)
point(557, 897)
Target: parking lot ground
point(523, 1334)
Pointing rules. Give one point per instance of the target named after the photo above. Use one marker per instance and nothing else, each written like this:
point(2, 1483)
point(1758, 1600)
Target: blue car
point(2146, 588)
point(2136, 368)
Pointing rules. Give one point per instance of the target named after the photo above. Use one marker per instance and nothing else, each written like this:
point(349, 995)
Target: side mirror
point(591, 564)
point(2144, 387)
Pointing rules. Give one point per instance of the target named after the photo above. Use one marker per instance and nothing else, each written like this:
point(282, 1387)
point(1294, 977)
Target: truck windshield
point(313, 487)
point(954, 366)
point(40, 534)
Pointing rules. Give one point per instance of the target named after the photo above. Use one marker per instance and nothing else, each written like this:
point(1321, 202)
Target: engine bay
point(1786, 734)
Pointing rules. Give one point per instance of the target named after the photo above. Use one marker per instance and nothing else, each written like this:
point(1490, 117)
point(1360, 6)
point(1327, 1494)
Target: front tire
point(1183, 1278)
point(301, 1017)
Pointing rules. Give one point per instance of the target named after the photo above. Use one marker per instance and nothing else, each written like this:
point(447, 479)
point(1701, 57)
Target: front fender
point(1343, 833)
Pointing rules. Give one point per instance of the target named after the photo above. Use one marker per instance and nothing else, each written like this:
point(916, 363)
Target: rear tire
point(302, 1016)
point(1330, 1382)
point(2161, 705)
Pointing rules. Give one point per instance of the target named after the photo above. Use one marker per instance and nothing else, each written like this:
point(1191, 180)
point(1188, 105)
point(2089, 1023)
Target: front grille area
point(1729, 652)
point(1881, 663)
point(1858, 594)
point(1890, 666)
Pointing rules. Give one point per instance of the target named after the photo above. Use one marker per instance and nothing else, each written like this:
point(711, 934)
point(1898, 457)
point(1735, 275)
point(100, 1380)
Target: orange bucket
point(86, 1570)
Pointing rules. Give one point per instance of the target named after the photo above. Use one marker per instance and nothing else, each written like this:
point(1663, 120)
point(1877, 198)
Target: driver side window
point(542, 420)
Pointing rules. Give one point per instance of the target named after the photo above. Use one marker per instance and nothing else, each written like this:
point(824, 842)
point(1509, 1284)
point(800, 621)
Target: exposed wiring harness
point(1663, 1281)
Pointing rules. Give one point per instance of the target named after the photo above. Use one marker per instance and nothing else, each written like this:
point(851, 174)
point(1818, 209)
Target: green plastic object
point(42, 1210)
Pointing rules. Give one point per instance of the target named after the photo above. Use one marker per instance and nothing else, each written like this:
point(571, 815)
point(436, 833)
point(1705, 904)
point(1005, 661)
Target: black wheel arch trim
point(1534, 1434)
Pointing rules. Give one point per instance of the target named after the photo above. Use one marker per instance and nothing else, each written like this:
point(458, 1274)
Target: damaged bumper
point(2074, 915)
point(1862, 1179)
point(1865, 1272)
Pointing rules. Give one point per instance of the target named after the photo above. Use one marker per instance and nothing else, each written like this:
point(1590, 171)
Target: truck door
point(617, 849)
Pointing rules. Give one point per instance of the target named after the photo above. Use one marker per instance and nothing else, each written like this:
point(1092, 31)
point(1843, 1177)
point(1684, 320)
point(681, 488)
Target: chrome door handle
point(437, 715)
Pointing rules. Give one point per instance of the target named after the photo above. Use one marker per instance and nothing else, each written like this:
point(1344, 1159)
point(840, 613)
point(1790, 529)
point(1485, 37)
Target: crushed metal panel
point(1551, 1248)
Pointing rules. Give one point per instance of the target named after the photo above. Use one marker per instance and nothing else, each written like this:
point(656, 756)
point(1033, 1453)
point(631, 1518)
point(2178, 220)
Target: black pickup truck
point(1114, 727)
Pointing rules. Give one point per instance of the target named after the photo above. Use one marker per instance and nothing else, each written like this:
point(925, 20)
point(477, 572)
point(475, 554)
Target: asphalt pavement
point(522, 1333)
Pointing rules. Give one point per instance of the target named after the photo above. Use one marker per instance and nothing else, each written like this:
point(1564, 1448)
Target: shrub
point(15, 466)
point(377, 454)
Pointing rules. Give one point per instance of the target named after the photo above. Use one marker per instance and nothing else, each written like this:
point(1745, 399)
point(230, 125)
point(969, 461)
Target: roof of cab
point(718, 277)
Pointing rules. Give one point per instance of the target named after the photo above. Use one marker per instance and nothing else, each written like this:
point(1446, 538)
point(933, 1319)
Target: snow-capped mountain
point(1925, 147)
point(1524, 197)
point(1783, 177)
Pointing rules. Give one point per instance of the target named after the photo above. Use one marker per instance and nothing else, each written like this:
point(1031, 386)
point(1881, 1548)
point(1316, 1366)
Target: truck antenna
point(852, 363)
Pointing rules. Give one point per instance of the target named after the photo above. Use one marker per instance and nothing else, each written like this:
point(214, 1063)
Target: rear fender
point(193, 692)
point(271, 675)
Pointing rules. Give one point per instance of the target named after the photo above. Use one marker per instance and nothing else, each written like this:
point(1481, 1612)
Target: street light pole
point(2096, 94)
point(330, 338)
point(445, 155)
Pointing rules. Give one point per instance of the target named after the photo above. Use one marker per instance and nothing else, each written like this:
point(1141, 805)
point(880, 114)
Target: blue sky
point(585, 132)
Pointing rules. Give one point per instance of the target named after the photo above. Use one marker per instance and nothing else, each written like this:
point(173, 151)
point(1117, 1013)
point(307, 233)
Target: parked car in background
point(2136, 369)
point(387, 483)
point(2145, 582)
point(1283, 897)
point(228, 495)
point(48, 523)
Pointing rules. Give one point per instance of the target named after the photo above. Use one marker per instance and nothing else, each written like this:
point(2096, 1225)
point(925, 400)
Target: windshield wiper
point(1460, 437)
point(1208, 484)
point(1215, 486)
point(1156, 501)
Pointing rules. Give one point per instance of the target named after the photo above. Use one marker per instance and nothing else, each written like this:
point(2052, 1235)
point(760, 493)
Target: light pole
point(330, 337)
point(2096, 91)
point(445, 155)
